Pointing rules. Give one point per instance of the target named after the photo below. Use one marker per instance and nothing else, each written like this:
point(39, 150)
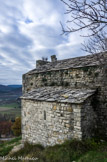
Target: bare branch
point(96, 44)
point(91, 15)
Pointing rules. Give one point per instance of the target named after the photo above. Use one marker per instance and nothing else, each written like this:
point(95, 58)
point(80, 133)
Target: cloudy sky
point(30, 30)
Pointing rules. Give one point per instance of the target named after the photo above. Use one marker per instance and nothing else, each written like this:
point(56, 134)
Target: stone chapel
point(65, 99)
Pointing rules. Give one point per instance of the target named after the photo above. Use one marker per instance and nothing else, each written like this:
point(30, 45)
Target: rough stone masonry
point(65, 99)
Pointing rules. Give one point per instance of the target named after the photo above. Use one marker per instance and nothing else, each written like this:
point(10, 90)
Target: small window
point(62, 115)
point(44, 115)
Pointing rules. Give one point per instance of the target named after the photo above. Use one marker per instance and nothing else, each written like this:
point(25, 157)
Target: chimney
point(53, 58)
point(39, 63)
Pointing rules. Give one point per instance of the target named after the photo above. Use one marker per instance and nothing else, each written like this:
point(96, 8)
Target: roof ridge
point(76, 62)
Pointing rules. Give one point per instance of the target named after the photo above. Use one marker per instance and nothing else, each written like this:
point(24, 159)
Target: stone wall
point(84, 77)
point(50, 123)
point(76, 78)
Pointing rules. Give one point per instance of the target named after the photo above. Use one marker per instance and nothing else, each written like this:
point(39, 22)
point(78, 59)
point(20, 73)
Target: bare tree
point(96, 44)
point(89, 15)
point(86, 14)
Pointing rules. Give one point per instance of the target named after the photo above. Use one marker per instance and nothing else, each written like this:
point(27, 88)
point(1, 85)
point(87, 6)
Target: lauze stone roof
point(89, 60)
point(59, 94)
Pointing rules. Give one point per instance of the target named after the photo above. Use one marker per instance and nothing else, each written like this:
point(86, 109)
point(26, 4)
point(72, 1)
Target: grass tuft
point(70, 150)
point(6, 147)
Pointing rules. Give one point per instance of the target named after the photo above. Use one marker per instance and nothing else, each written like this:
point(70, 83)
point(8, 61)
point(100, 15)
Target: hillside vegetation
point(6, 147)
point(10, 103)
point(70, 151)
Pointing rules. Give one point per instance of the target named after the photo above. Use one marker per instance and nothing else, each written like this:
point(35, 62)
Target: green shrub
point(29, 150)
point(16, 127)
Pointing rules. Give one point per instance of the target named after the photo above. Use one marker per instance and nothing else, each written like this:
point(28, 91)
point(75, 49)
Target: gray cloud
point(28, 31)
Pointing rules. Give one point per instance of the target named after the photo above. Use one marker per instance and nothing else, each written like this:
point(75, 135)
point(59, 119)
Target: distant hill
point(10, 93)
point(15, 86)
point(8, 88)
point(5, 88)
point(16, 90)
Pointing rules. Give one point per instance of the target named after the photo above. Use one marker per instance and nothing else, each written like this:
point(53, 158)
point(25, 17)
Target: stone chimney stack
point(53, 58)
